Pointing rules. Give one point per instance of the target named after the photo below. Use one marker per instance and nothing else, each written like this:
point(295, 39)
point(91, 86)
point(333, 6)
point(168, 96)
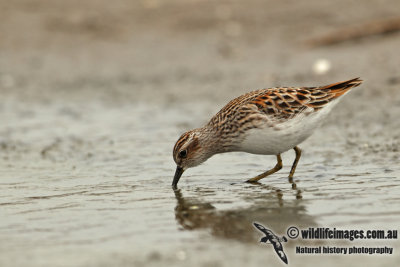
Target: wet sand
point(95, 94)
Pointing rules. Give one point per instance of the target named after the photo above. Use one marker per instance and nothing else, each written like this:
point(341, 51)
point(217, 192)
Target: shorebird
point(267, 122)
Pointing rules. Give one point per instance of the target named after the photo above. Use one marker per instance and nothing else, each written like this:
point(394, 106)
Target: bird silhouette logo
point(271, 238)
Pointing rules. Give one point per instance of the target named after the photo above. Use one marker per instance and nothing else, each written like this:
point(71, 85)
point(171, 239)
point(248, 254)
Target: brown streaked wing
point(281, 103)
point(285, 103)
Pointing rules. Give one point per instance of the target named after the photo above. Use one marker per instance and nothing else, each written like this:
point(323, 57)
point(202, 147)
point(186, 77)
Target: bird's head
point(189, 151)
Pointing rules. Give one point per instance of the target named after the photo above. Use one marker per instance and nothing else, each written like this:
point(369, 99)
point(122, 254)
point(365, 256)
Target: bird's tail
point(338, 89)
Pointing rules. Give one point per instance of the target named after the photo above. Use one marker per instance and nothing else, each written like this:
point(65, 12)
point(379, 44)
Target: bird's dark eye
point(183, 153)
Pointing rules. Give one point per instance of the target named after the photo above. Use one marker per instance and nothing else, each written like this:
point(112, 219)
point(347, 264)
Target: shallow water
point(108, 194)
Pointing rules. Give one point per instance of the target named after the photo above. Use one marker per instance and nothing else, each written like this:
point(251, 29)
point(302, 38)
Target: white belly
point(285, 136)
point(268, 141)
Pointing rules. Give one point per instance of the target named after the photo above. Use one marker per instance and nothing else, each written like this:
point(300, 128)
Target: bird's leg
point(296, 160)
point(277, 167)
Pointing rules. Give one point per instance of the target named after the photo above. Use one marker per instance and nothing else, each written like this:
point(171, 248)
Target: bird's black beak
point(178, 174)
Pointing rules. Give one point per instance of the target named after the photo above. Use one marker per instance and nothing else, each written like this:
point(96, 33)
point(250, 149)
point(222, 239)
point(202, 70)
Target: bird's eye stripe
point(181, 141)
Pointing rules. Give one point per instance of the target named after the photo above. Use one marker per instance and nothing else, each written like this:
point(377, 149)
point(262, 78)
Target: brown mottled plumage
point(266, 121)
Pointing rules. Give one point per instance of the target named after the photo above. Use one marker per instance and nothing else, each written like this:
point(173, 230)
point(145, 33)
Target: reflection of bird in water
point(193, 214)
point(274, 240)
point(202, 209)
